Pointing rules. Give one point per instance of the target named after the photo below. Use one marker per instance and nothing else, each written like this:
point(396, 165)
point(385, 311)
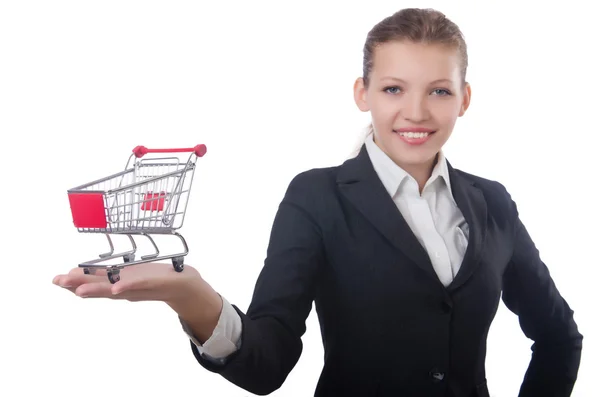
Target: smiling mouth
point(414, 134)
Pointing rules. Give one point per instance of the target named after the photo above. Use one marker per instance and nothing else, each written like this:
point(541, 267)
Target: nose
point(415, 109)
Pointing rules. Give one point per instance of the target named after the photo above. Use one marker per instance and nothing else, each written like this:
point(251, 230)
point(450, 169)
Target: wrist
point(199, 306)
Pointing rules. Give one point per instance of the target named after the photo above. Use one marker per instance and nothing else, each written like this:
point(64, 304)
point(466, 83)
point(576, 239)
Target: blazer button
point(436, 375)
point(446, 308)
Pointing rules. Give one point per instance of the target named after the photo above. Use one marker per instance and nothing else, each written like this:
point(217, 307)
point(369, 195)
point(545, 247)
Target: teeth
point(414, 135)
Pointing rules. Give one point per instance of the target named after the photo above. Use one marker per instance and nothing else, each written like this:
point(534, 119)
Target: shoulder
point(310, 186)
point(315, 178)
point(487, 185)
point(495, 193)
point(312, 192)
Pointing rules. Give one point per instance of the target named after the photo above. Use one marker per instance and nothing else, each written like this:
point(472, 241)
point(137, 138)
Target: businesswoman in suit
point(405, 257)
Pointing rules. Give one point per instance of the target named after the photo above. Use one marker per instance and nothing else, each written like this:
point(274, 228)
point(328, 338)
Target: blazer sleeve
point(275, 321)
point(544, 316)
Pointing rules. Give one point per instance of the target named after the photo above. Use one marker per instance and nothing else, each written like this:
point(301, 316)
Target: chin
point(415, 159)
point(413, 156)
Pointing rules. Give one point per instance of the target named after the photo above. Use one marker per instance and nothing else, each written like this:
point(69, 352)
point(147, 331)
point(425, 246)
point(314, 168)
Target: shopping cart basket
point(149, 197)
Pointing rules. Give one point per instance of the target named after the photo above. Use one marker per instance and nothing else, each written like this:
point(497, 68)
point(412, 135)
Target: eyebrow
point(402, 81)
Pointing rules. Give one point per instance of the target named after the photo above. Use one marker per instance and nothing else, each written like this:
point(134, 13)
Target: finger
point(107, 291)
point(95, 290)
point(62, 281)
point(74, 281)
point(130, 285)
point(80, 270)
point(71, 289)
point(87, 278)
point(76, 270)
point(76, 277)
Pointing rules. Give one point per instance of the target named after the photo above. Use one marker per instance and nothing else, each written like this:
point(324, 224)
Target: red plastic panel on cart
point(154, 201)
point(87, 210)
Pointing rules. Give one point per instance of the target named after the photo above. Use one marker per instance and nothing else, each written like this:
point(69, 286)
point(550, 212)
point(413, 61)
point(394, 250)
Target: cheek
point(448, 120)
point(446, 114)
point(383, 111)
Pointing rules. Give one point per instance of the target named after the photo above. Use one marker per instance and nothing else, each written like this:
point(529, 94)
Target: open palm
point(144, 282)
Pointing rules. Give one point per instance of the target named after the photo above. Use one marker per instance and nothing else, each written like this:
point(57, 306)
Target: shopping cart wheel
point(113, 276)
point(178, 263)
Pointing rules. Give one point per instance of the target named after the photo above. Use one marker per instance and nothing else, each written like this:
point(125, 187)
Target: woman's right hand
point(186, 292)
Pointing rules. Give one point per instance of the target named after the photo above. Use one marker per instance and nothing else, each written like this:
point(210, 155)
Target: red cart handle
point(200, 150)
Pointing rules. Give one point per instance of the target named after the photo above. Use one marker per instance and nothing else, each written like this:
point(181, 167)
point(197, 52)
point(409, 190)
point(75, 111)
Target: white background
point(267, 86)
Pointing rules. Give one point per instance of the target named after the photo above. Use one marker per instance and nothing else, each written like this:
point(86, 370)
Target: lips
point(415, 129)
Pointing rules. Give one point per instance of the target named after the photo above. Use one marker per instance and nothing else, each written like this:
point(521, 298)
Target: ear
point(466, 100)
point(360, 95)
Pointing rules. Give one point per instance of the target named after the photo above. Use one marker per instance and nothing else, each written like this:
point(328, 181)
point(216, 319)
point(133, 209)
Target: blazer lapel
point(359, 183)
point(471, 202)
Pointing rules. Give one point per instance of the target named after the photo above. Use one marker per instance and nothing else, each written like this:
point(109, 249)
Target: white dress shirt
point(432, 215)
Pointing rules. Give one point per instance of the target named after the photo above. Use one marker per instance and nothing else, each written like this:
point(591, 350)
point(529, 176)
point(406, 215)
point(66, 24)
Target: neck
point(420, 172)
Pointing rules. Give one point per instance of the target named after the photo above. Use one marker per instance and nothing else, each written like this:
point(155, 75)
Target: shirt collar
point(392, 175)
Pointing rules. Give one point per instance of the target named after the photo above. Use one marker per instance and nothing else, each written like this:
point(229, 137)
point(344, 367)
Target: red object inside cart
point(87, 210)
point(154, 201)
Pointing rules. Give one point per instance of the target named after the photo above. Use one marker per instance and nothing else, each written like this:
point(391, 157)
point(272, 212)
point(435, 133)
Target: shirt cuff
point(226, 336)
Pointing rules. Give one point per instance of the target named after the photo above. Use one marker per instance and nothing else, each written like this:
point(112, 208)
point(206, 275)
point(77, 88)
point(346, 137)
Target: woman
point(405, 257)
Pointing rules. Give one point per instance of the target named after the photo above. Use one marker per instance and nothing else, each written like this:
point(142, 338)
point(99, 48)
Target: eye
point(388, 90)
point(442, 92)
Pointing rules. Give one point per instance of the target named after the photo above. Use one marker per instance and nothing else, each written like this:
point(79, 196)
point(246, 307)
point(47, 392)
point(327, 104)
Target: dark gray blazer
point(339, 240)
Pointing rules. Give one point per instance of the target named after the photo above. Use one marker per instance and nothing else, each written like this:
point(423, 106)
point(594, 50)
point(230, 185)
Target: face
point(414, 95)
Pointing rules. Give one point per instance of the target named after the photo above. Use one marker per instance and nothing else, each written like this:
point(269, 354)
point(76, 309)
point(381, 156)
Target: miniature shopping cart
point(149, 197)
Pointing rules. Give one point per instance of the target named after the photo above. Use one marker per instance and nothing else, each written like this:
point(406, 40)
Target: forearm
point(544, 316)
point(553, 369)
point(199, 306)
point(270, 341)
